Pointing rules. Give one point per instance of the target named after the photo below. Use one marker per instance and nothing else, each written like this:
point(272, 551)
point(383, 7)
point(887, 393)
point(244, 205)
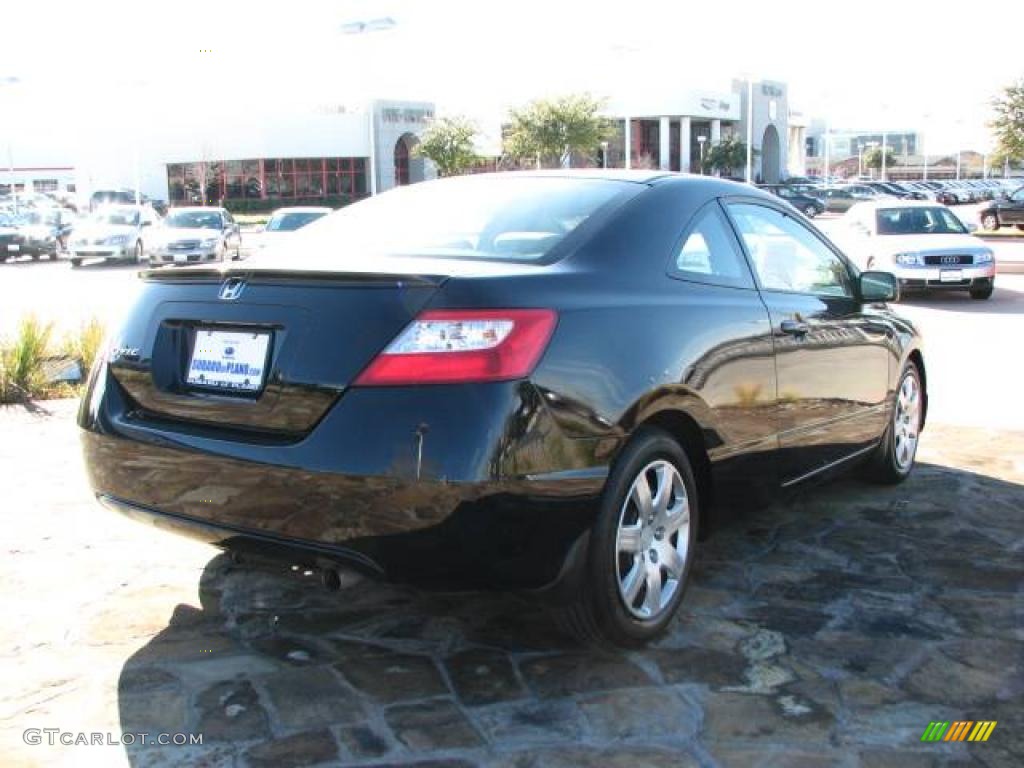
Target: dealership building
point(336, 154)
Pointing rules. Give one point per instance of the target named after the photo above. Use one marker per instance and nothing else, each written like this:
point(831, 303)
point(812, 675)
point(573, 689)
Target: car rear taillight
point(465, 345)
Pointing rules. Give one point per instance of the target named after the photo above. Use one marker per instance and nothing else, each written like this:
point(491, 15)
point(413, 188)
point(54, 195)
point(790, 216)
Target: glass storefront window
point(281, 178)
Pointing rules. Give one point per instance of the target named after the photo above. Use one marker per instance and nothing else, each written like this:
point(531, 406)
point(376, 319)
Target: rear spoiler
point(216, 275)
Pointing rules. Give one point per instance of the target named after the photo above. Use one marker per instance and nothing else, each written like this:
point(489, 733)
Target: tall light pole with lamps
point(750, 130)
point(11, 81)
point(358, 27)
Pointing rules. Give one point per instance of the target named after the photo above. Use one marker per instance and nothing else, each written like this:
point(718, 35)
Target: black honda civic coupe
point(556, 382)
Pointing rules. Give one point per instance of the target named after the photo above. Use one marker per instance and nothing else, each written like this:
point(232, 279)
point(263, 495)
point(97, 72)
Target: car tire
point(990, 222)
point(36, 255)
point(893, 460)
point(1020, 227)
point(982, 292)
point(810, 211)
point(76, 263)
point(622, 600)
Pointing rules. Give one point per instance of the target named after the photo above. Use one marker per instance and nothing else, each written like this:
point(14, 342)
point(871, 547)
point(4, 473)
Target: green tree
point(727, 155)
point(873, 158)
point(550, 130)
point(450, 143)
point(1008, 124)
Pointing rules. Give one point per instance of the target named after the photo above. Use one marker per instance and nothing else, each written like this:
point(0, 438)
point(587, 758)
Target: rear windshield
point(289, 222)
point(918, 221)
point(500, 218)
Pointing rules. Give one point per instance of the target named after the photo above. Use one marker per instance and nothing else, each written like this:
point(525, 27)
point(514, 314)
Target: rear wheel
point(641, 546)
point(894, 457)
point(990, 221)
point(810, 211)
point(75, 263)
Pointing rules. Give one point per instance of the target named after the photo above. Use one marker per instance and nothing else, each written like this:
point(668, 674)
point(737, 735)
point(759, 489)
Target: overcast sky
point(103, 65)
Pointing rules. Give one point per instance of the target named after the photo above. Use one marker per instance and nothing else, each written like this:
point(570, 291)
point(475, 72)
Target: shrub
point(21, 361)
point(84, 344)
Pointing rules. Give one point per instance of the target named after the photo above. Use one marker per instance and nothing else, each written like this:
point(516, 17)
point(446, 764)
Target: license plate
point(180, 258)
point(229, 359)
point(951, 275)
point(13, 247)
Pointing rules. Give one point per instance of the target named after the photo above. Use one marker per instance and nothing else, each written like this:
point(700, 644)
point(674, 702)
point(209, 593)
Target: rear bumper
point(432, 486)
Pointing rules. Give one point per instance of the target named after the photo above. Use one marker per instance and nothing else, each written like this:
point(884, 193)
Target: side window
point(709, 253)
point(787, 256)
point(1018, 196)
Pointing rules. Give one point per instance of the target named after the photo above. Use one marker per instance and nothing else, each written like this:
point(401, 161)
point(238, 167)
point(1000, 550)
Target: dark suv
point(999, 213)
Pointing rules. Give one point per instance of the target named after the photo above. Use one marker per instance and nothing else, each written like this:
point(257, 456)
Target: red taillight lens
point(463, 345)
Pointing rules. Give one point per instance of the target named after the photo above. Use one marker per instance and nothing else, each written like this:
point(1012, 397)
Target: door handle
point(794, 327)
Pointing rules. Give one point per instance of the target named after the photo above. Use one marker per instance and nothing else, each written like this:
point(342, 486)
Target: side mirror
point(147, 223)
point(878, 287)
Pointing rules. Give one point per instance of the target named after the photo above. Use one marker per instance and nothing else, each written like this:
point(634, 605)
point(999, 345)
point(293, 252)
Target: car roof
point(302, 209)
point(892, 202)
point(637, 176)
point(193, 208)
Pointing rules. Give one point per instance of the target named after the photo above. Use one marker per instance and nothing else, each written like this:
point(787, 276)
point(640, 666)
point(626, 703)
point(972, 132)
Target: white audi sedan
point(924, 244)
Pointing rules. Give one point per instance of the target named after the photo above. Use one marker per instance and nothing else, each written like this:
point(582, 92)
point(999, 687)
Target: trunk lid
point(319, 330)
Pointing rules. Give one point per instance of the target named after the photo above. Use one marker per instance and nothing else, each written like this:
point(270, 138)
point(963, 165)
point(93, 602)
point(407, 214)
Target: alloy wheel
point(653, 539)
point(907, 422)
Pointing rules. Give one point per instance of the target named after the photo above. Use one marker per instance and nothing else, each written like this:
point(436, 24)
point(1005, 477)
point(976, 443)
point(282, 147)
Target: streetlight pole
point(604, 154)
point(825, 137)
point(10, 81)
point(860, 159)
point(885, 136)
point(360, 27)
point(700, 142)
point(750, 132)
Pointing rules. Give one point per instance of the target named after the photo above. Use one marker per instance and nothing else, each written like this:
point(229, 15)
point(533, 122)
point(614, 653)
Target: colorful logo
point(959, 730)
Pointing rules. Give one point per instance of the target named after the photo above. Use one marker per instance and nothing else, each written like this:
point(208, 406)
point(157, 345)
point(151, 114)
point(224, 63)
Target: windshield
point(483, 217)
point(193, 220)
point(919, 221)
point(116, 218)
point(289, 222)
point(48, 218)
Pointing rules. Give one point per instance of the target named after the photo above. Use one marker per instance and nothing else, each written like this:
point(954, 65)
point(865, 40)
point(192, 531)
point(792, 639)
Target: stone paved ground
point(827, 631)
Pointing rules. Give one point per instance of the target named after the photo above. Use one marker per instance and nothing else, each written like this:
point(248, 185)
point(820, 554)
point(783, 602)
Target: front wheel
point(990, 222)
point(982, 292)
point(75, 263)
point(894, 457)
point(641, 546)
point(810, 211)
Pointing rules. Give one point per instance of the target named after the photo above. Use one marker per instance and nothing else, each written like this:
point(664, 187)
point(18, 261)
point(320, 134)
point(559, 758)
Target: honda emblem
point(232, 288)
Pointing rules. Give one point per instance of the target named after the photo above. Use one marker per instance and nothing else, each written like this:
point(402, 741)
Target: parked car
point(808, 205)
point(117, 232)
point(1002, 212)
point(43, 231)
point(189, 235)
point(892, 189)
point(536, 381)
point(924, 245)
point(11, 238)
point(841, 199)
point(283, 222)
